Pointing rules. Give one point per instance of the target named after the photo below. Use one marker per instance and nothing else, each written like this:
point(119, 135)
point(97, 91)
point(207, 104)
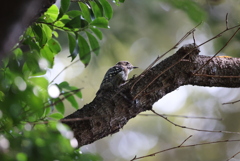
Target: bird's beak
point(135, 67)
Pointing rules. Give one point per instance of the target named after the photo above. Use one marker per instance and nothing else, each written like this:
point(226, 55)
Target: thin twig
point(226, 21)
point(233, 156)
point(64, 97)
point(230, 102)
point(202, 130)
point(159, 57)
point(184, 141)
point(186, 146)
point(218, 35)
point(187, 117)
point(63, 28)
point(56, 102)
point(161, 73)
point(193, 37)
point(218, 50)
point(93, 50)
point(63, 70)
point(73, 91)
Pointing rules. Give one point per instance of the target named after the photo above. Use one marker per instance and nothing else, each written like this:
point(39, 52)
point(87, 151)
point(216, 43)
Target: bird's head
point(127, 65)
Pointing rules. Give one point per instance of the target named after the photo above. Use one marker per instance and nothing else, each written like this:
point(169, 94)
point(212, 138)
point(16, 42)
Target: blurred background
point(140, 30)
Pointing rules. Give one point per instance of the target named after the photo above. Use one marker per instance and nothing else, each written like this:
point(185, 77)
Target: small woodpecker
point(116, 75)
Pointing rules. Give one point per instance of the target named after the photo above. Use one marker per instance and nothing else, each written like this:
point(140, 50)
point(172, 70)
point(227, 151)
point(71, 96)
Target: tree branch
point(114, 109)
point(16, 16)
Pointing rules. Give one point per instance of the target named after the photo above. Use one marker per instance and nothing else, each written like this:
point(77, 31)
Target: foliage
point(196, 13)
point(43, 143)
point(24, 97)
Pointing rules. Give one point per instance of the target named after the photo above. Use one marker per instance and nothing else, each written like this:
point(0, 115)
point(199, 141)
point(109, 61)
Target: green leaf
point(65, 5)
point(29, 32)
point(32, 44)
point(55, 33)
point(96, 10)
point(84, 23)
point(85, 12)
point(72, 100)
point(78, 94)
point(31, 66)
point(18, 52)
point(54, 46)
point(5, 62)
point(22, 156)
point(59, 105)
point(71, 42)
point(93, 43)
point(84, 50)
point(48, 31)
point(40, 35)
point(2, 95)
point(64, 19)
point(47, 111)
point(56, 116)
point(73, 47)
point(193, 10)
point(76, 23)
point(52, 14)
point(107, 8)
point(100, 22)
point(73, 13)
point(48, 55)
point(32, 71)
point(41, 83)
point(97, 32)
point(60, 24)
point(64, 85)
point(37, 30)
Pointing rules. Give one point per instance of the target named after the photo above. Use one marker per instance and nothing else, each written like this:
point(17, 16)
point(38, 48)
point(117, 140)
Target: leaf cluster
point(82, 26)
point(24, 96)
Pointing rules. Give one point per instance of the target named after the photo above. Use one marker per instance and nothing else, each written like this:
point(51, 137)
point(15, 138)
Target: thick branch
point(220, 72)
point(109, 113)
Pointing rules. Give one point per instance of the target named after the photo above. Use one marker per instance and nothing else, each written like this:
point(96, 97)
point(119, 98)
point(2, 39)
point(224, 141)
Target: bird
point(116, 75)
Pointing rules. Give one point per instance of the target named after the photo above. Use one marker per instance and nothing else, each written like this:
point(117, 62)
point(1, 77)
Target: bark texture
point(107, 114)
point(16, 16)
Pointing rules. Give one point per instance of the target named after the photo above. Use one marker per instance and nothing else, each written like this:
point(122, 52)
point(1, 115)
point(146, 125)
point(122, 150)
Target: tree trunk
point(16, 16)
